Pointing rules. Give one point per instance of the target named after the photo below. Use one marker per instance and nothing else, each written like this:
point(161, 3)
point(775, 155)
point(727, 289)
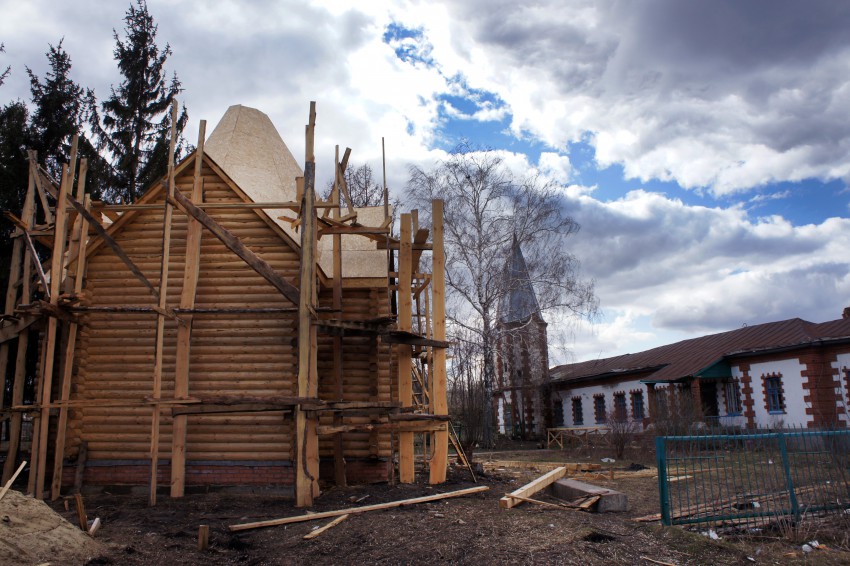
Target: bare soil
point(466, 530)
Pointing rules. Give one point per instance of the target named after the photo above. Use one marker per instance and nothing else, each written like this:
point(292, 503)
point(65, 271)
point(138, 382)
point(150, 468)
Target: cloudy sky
point(703, 146)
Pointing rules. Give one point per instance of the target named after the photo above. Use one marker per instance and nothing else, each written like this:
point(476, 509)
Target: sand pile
point(32, 533)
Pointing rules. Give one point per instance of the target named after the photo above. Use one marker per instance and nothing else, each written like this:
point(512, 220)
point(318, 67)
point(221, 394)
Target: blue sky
point(703, 146)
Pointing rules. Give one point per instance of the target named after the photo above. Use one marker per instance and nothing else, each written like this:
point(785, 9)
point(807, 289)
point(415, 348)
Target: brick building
point(522, 359)
point(791, 372)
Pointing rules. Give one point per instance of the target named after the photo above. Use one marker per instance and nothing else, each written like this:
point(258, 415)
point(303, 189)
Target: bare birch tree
point(486, 206)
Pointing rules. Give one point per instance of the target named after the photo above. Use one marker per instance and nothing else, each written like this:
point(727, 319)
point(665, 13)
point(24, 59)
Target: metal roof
point(689, 358)
point(519, 301)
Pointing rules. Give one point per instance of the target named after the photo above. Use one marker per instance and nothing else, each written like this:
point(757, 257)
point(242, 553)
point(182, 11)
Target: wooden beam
point(80, 242)
point(340, 477)
point(235, 245)
point(307, 441)
point(439, 404)
point(114, 246)
point(15, 424)
point(159, 347)
point(39, 448)
point(12, 479)
point(406, 470)
point(533, 487)
point(184, 333)
point(357, 510)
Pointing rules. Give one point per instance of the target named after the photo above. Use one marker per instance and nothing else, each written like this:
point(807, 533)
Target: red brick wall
point(138, 473)
point(229, 474)
point(747, 402)
point(819, 380)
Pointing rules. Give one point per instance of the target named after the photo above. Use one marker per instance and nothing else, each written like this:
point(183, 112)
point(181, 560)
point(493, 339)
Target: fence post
point(661, 464)
point(786, 466)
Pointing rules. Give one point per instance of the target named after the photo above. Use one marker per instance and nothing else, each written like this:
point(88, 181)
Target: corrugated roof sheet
point(688, 357)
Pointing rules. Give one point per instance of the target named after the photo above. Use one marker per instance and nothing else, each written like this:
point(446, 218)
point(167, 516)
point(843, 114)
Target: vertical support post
point(439, 404)
point(661, 465)
point(339, 456)
point(184, 331)
point(19, 249)
point(46, 374)
point(789, 482)
point(160, 318)
point(307, 440)
point(386, 191)
point(406, 470)
point(76, 277)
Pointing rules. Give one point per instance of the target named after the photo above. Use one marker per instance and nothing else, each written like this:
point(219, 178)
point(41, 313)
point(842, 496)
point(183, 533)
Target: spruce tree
point(136, 118)
point(59, 110)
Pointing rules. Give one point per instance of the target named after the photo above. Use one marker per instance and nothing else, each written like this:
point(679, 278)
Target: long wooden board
point(356, 510)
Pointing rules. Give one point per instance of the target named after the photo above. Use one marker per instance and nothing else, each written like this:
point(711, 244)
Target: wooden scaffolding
point(310, 402)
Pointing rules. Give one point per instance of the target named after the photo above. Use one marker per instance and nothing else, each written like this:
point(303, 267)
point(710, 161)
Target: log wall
point(233, 355)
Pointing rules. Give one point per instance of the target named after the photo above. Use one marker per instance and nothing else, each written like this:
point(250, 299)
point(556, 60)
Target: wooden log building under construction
point(228, 328)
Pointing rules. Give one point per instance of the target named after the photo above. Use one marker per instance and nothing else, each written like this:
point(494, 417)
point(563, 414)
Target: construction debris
point(606, 500)
point(541, 483)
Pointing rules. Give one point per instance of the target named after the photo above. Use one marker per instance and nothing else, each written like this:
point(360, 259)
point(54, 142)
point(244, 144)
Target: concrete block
point(610, 501)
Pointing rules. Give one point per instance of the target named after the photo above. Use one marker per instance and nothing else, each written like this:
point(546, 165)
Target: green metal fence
point(752, 478)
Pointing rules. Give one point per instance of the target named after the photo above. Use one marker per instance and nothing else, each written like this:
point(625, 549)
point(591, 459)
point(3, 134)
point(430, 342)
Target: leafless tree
point(486, 206)
point(466, 396)
point(362, 187)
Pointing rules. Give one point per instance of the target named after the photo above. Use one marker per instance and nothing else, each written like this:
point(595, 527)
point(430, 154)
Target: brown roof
point(689, 357)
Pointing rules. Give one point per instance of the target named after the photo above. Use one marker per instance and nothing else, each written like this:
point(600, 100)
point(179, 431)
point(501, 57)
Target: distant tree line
point(124, 135)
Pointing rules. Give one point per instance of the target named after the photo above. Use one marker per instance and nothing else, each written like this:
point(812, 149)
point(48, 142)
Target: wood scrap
point(94, 526)
point(203, 537)
point(82, 519)
point(538, 502)
point(657, 561)
point(313, 534)
point(533, 487)
point(356, 510)
point(589, 502)
point(12, 479)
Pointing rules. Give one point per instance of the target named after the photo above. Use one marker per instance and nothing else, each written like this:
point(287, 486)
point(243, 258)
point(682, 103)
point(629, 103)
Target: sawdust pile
point(32, 533)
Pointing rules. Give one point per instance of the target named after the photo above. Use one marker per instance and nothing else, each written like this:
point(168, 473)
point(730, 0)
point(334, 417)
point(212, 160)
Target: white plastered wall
point(792, 385)
point(588, 392)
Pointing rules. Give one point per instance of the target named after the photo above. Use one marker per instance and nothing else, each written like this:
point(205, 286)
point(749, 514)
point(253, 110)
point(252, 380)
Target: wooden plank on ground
point(533, 487)
point(357, 510)
point(313, 534)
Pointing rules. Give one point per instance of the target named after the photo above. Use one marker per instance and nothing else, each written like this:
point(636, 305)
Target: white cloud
point(694, 270)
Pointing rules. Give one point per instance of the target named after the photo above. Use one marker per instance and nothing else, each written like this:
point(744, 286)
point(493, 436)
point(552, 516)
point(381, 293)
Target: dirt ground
point(466, 530)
